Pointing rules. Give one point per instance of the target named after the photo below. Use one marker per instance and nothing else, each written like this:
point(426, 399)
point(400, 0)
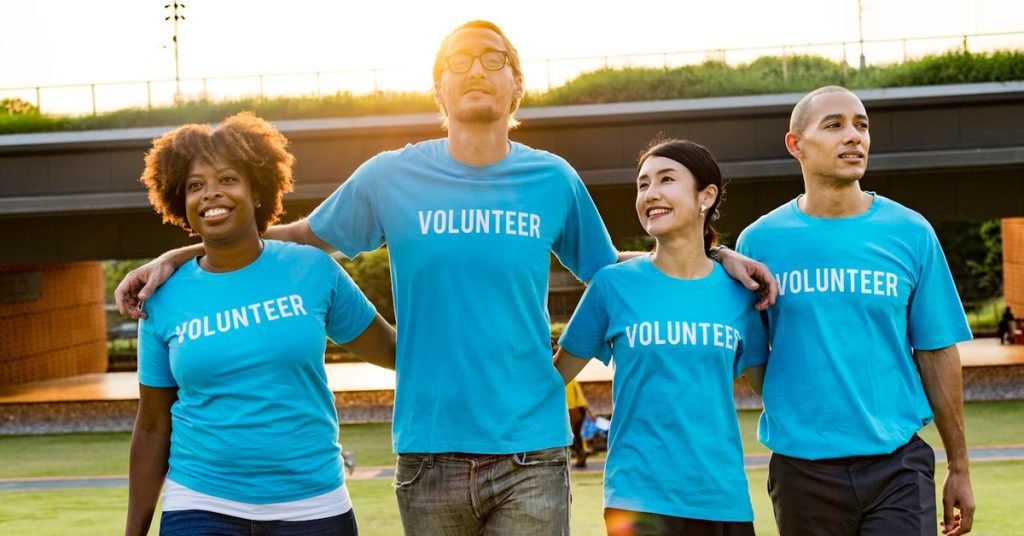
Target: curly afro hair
point(243, 140)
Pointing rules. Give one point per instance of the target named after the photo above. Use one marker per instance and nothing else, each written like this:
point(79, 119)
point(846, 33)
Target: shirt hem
point(691, 513)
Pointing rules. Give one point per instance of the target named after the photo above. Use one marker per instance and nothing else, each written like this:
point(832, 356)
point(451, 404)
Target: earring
point(258, 205)
point(703, 211)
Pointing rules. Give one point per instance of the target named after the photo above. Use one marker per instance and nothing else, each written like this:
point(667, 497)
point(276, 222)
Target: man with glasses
point(470, 220)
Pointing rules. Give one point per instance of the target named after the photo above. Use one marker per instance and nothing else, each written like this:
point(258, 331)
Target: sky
point(54, 42)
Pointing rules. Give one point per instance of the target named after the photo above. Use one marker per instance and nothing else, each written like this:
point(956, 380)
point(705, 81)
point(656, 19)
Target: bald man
point(864, 349)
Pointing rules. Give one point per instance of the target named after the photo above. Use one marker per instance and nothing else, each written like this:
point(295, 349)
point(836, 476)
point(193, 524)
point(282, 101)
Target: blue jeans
point(453, 494)
point(203, 523)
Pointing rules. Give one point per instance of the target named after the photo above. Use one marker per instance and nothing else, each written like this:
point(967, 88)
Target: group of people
point(850, 337)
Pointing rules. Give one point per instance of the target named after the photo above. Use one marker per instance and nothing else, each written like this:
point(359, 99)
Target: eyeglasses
point(492, 60)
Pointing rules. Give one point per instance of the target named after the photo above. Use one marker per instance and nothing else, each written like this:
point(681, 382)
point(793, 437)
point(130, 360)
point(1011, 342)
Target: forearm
point(298, 232)
point(376, 345)
point(569, 365)
point(626, 255)
point(755, 378)
point(180, 256)
point(942, 378)
point(147, 469)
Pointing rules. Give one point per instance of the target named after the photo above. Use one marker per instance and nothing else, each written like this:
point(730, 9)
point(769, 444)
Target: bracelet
point(714, 252)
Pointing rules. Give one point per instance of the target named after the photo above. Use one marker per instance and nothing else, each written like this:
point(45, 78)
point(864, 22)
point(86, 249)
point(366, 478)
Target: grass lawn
point(997, 487)
point(103, 454)
point(988, 424)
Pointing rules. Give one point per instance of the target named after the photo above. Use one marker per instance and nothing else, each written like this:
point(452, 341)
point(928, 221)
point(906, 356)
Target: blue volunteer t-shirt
point(255, 419)
point(674, 446)
point(470, 252)
point(856, 296)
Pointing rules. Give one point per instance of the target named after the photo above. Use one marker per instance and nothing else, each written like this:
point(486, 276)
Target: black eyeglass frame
point(505, 59)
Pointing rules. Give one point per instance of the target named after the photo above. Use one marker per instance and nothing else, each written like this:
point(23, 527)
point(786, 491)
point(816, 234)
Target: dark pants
point(630, 523)
point(203, 523)
point(576, 418)
point(861, 495)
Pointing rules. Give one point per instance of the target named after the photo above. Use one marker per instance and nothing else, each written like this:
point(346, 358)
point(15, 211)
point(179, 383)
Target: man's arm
point(142, 282)
point(942, 378)
point(298, 232)
point(569, 365)
point(755, 377)
point(751, 274)
point(626, 255)
point(150, 450)
point(376, 344)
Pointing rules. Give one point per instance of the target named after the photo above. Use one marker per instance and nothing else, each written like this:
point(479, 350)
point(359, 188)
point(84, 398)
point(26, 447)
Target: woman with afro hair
point(236, 421)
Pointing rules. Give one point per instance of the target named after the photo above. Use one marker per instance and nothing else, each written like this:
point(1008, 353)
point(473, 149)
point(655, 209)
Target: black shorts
point(630, 523)
point(860, 495)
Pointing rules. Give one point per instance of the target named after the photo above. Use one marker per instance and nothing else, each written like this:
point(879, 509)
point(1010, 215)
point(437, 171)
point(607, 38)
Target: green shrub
point(371, 271)
point(770, 74)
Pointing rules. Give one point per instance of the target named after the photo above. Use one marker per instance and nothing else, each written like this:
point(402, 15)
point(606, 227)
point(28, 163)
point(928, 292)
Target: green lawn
point(997, 487)
point(107, 453)
point(988, 424)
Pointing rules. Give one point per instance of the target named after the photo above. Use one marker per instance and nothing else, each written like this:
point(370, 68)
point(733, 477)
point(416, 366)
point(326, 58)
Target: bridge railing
point(540, 75)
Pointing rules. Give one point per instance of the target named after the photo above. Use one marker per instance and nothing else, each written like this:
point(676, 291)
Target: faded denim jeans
point(454, 494)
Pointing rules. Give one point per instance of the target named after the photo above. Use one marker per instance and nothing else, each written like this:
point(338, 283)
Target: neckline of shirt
point(513, 151)
point(199, 270)
point(876, 201)
point(649, 262)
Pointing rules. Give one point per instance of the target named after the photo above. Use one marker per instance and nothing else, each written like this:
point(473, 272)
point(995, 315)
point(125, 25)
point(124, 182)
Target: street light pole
point(174, 6)
point(860, 31)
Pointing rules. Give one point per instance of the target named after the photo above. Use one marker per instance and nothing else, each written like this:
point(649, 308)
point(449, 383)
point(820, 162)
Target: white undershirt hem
point(330, 504)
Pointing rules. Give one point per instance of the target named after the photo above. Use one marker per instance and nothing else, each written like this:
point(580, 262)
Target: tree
point(372, 273)
point(114, 272)
point(974, 250)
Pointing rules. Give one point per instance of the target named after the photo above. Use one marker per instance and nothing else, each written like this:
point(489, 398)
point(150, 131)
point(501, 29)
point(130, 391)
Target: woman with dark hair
point(680, 331)
point(236, 421)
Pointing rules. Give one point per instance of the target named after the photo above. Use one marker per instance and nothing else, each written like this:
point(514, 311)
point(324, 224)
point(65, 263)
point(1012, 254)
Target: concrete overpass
point(951, 152)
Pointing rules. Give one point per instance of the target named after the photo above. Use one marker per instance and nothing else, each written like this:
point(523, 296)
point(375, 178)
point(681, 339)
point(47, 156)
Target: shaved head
point(802, 111)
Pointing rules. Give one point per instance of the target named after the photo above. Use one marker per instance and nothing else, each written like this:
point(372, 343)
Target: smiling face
point(834, 143)
point(667, 199)
point(478, 95)
point(219, 201)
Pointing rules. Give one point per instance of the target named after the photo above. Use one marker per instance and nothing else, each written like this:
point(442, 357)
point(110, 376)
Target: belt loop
point(430, 461)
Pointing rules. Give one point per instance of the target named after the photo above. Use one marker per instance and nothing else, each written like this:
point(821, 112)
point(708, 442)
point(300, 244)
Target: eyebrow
point(656, 173)
point(840, 116)
point(485, 50)
point(218, 171)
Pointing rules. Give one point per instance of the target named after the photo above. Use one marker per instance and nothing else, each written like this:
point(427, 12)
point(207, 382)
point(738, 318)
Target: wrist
point(718, 253)
point(958, 465)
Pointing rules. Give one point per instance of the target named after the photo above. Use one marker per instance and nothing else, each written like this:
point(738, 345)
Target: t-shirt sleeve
point(154, 357)
point(583, 246)
point(753, 347)
point(936, 317)
point(586, 333)
point(350, 311)
point(348, 219)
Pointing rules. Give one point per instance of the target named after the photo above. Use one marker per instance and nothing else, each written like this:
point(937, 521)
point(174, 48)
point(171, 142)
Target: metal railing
point(540, 75)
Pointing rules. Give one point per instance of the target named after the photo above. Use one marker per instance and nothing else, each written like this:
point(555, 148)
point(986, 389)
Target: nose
point(653, 192)
point(476, 67)
point(852, 135)
point(211, 192)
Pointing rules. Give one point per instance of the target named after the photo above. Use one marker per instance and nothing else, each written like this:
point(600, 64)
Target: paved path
point(349, 377)
point(983, 454)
